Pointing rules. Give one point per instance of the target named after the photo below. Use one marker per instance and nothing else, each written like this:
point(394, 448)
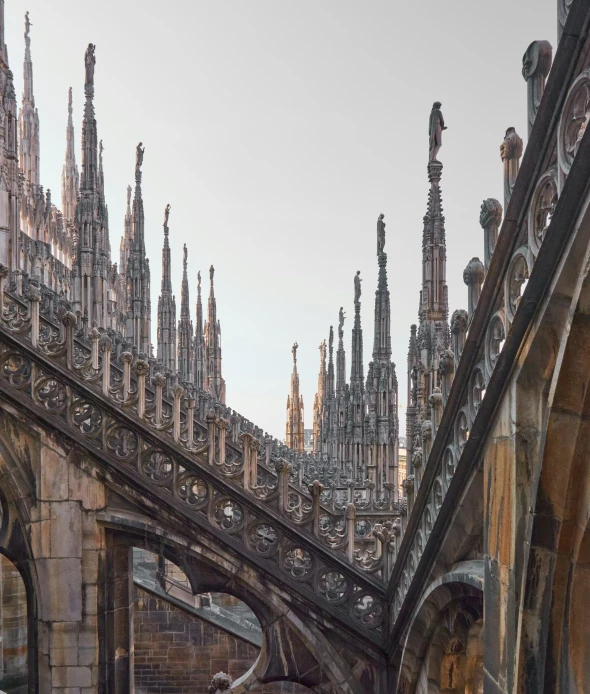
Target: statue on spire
point(139, 157)
point(184, 257)
point(90, 62)
point(28, 26)
point(294, 351)
point(357, 288)
point(341, 316)
point(199, 281)
point(211, 273)
point(380, 234)
point(435, 128)
point(166, 215)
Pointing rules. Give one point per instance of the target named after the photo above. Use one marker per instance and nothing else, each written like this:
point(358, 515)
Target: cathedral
point(152, 539)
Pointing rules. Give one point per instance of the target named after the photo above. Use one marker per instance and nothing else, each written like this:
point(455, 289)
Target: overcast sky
point(279, 131)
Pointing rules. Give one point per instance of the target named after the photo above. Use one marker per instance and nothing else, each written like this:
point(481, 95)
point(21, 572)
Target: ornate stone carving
point(510, 152)
point(574, 120)
point(473, 276)
point(536, 63)
point(220, 683)
point(490, 218)
point(542, 209)
point(516, 279)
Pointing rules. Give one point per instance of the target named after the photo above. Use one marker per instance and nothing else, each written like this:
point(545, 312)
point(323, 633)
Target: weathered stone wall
point(176, 652)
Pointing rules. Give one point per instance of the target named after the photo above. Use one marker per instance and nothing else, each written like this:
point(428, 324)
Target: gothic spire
point(382, 338)
point(330, 376)
point(127, 234)
point(356, 370)
point(138, 218)
point(70, 176)
point(2, 44)
point(214, 383)
point(166, 304)
point(434, 253)
point(138, 269)
point(89, 135)
point(199, 340)
point(320, 400)
point(340, 354)
point(295, 426)
point(185, 328)
point(29, 118)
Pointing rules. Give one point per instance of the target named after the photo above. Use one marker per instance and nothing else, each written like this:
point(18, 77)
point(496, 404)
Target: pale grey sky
point(278, 131)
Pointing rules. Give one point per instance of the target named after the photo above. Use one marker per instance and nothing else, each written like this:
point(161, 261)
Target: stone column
point(536, 63)
point(119, 616)
point(511, 152)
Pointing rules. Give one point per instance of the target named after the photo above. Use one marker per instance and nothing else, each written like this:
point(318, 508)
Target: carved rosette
point(542, 208)
point(574, 121)
point(515, 281)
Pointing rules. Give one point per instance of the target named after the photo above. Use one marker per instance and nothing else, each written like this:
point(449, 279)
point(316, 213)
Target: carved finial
point(184, 258)
point(435, 127)
point(199, 281)
point(341, 317)
point(129, 189)
point(511, 148)
point(536, 63)
point(166, 216)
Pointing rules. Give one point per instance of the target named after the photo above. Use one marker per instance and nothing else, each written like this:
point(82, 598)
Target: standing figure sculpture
point(166, 215)
point(380, 234)
point(435, 128)
point(139, 157)
point(341, 316)
point(357, 287)
point(90, 62)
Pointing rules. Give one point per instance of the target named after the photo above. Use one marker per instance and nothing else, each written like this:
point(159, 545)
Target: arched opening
point(14, 656)
point(182, 640)
point(443, 653)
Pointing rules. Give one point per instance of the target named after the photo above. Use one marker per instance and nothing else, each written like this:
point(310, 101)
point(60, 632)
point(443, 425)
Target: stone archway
point(443, 649)
point(293, 651)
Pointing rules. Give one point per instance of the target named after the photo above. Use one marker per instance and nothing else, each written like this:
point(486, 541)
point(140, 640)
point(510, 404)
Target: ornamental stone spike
point(138, 270)
point(29, 146)
point(536, 63)
point(295, 427)
point(70, 175)
point(166, 333)
point(186, 364)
